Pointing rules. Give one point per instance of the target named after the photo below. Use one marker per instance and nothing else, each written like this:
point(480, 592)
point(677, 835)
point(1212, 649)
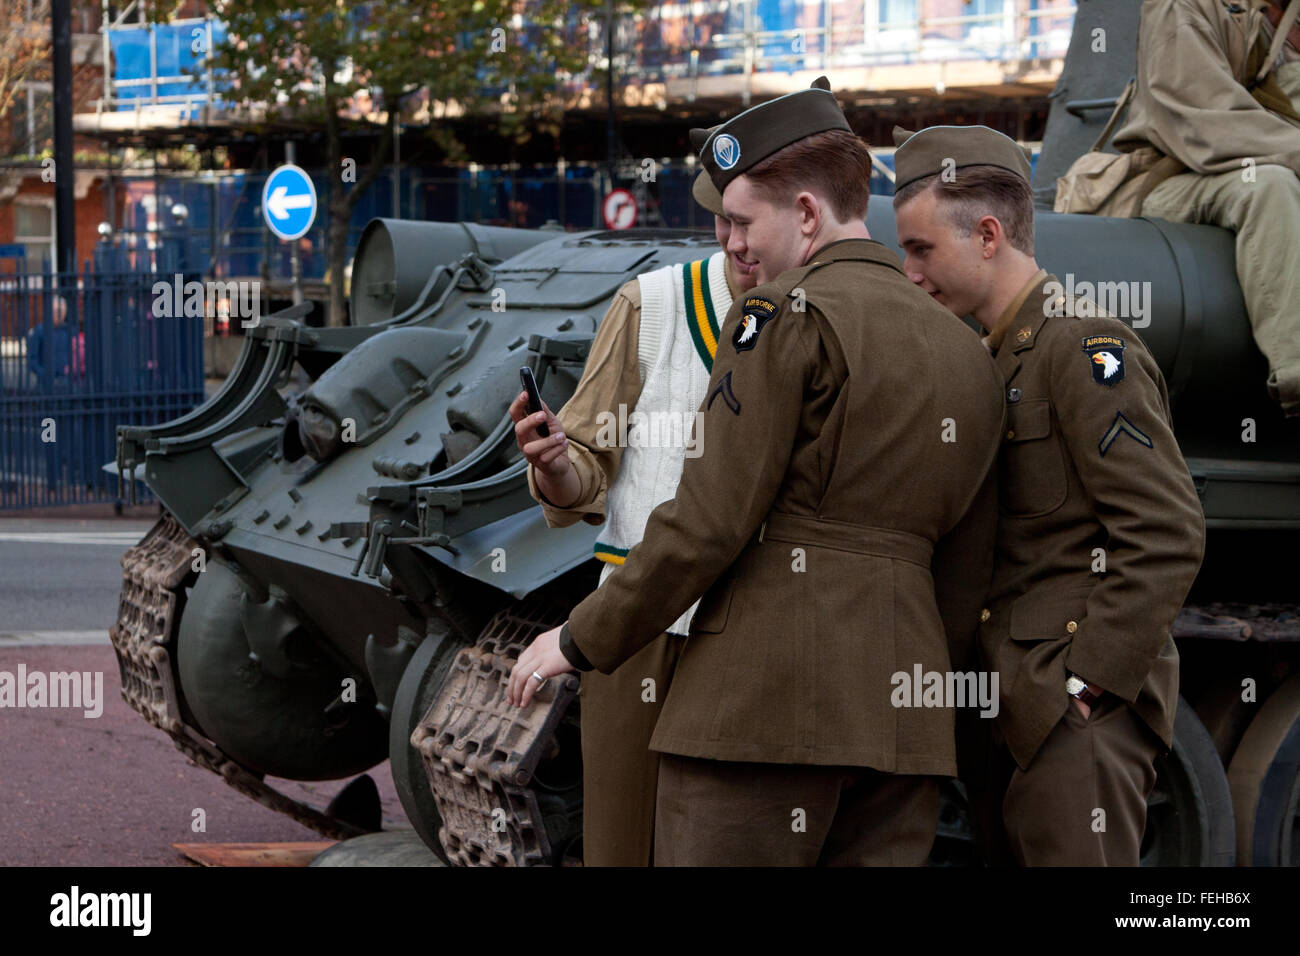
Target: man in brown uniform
point(619, 771)
point(1217, 88)
point(849, 424)
point(1100, 532)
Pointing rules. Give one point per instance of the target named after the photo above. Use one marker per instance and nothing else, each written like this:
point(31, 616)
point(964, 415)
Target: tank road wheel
point(1265, 780)
point(1189, 813)
point(260, 687)
point(1226, 716)
point(420, 683)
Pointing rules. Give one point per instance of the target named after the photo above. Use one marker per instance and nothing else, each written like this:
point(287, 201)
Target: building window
point(989, 31)
point(32, 119)
point(34, 228)
point(898, 14)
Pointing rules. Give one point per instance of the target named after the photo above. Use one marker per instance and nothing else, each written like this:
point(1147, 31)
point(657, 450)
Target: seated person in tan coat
point(1200, 99)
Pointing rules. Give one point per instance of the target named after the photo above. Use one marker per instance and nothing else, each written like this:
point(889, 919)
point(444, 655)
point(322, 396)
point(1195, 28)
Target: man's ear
point(991, 236)
point(811, 207)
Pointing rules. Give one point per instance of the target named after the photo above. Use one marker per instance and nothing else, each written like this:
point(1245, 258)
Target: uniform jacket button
point(1072, 626)
point(985, 615)
point(1011, 433)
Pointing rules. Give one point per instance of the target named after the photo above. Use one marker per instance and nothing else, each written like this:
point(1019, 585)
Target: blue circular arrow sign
point(289, 202)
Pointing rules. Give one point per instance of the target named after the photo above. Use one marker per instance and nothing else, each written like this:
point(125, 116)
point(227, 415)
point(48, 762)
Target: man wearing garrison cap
point(1100, 532)
point(785, 738)
point(651, 356)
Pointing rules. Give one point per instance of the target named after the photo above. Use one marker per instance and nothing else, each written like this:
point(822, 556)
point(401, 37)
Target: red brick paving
point(114, 791)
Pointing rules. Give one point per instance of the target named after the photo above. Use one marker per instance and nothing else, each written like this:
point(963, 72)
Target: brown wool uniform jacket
point(808, 524)
point(1088, 462)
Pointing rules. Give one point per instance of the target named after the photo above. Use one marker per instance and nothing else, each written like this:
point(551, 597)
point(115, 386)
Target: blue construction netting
point(179, 52)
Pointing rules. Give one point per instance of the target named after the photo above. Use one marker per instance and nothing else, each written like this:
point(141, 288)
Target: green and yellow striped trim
point(610, 554)
point(701, 317)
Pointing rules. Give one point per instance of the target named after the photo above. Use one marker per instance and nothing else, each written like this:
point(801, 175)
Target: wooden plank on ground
point(252, 854)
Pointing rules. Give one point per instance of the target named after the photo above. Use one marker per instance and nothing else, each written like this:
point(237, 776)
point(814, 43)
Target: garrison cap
point(938, 147)
point(705, 193)
point(748, 138)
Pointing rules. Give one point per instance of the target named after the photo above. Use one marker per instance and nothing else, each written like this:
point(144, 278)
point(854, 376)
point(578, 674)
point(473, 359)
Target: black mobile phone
point(534, 398)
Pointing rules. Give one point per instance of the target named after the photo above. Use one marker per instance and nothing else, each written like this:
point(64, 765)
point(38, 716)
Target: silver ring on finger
point(538, 677)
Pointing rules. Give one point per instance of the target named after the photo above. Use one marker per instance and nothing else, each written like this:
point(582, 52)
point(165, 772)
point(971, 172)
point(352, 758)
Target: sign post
point(289, 208)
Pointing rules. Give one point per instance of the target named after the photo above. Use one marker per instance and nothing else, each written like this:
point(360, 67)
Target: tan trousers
point(1083, 799)
point(1265, 215)
point(619, 770)
point(725, 813)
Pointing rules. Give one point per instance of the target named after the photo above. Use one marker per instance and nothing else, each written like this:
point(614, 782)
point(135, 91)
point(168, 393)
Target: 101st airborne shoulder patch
point(757, 312)
point(1106, 356)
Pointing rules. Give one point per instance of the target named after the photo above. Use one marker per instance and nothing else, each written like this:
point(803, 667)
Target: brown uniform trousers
point(851, 422)
point(1100, 536)
point(709, 811)
point(620, 772)
point(1047, 815)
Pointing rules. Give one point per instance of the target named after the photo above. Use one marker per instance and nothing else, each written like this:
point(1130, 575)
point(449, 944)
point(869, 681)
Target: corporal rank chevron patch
point(723, 390)
point(1122, 426)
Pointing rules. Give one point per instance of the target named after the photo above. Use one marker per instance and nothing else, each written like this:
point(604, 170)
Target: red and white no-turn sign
point(619, 209)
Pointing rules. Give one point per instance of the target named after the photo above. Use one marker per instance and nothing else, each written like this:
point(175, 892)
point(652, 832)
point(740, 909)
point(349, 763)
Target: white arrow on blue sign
point(289, 202)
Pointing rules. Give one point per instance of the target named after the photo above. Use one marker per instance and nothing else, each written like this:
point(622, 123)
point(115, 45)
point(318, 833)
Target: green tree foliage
point(328, 64)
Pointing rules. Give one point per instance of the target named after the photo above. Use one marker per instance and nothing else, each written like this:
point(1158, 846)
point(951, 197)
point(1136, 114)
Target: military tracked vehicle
point(346, 569)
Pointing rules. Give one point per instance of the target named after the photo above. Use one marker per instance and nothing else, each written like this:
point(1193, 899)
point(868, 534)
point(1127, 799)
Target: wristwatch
point(1078, 688)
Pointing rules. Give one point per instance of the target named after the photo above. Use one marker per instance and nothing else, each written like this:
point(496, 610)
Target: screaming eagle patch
point(757, 312)
point(1106, 356)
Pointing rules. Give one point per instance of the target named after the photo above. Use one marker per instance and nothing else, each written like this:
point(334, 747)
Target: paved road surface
point(111, 790)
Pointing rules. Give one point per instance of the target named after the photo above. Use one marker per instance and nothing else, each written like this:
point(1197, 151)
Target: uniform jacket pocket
point(1047, 616)
point(1031, 479)
point(711, 616)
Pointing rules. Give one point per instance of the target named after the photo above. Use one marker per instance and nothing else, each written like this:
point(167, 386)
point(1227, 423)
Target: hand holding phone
point(534, 398)
point(546, 452)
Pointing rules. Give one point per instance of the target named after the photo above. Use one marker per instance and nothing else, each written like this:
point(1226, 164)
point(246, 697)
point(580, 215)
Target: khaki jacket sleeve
point(610, 378)
point(1193, 106)
point(746, 427)
point(1124, 451)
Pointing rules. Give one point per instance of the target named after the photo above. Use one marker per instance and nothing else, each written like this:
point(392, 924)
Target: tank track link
point(154, 574)
point(482, 755)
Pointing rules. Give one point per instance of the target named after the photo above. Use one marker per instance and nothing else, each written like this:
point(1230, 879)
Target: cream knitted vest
point(682, 307)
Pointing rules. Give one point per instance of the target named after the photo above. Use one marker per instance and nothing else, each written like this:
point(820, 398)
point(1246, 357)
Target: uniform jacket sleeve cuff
point(1118, 670)
point(572, 653)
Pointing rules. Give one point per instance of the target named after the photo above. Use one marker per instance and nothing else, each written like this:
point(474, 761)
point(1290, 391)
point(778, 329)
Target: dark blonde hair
point(834, 164)
point(979, 191)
